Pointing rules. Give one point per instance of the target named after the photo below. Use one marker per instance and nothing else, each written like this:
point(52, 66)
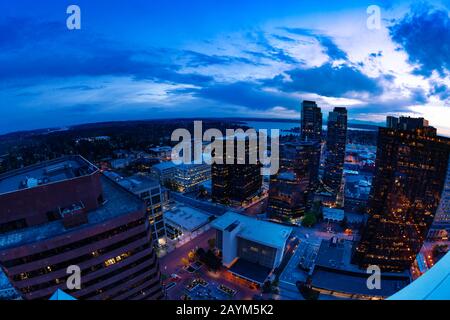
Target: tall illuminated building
point(411, 168)
point(291, 187)
point(311, 121)
point(65, 212)
point(440, 229)
point(335, 149)
point(236, 183)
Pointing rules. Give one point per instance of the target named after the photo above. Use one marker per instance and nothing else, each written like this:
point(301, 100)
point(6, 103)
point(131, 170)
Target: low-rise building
point(333, 215)
point(150, 192)
point(162, 153)
point(251, 248)
point(184, 220)
point(334, 274)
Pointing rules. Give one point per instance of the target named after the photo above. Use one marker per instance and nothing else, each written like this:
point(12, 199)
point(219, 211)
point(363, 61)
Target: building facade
point(65, 212)
point(291, 189)
point(311, 121)
point(149, 191)
point(259, 242)
point(335, 150)
point(440, 229)
point(189, 177)
point(237, 180)
point(411, 167)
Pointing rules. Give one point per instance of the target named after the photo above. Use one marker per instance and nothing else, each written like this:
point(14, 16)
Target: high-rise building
point(291, 188)
point(440, 229)
point(335, 149)
point(311, 121)
point(237, 183)
point(149, 191)
point(411, 167)
point(64, 212)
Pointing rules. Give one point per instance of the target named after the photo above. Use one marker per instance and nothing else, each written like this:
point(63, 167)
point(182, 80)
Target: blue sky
point(207, 58)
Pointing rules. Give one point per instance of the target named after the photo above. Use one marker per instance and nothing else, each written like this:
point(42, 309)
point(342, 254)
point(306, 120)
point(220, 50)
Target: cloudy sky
point(209, 58)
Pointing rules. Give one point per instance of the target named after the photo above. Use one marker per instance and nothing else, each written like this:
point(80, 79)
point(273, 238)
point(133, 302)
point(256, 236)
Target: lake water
point(284, 127)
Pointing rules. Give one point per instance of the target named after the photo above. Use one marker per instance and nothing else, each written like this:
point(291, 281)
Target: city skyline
point(225, 151)
point(155, 61)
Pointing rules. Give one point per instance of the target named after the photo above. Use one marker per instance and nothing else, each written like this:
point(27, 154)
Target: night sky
point(146, 59)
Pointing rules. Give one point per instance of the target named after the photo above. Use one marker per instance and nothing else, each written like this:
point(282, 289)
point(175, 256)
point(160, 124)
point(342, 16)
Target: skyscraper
point(440, 229)
point(64, 212)
point(291, 187)
point(335, 149)
point(236, 183)
point(311, 121)
point(411, 167)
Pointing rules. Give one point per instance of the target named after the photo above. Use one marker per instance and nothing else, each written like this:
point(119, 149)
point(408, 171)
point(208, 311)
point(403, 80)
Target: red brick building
point(65, 212)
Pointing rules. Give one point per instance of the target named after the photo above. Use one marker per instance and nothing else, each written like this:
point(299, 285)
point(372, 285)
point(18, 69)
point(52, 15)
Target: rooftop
point(333, 214)
point(355, 283)
point(134, 183)
point(186, 217)
point(137, 183)
point(164, 165)
point(250, 271)
point(333, 271)
point(44, 173)
point(432, 285)
point(264, 232)
point(337, 253)
point(118, 202)
point(161, 149)
point(7, 291)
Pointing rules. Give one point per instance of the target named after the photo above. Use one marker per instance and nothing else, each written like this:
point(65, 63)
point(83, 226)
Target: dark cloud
point(269, 51)
point(376, 54)
point(327, 80)
point(330, 48)
point(246, 94)
point(440, 90)
point(197, 59)
point(424, 34)
point(419, 96)
point(46, 50)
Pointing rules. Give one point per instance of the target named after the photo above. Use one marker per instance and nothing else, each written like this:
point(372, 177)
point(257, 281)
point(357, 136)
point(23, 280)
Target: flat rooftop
point(333, 213)
point(118, 202)
point(44, 173)
point(164, 165)
point(432, 285)
point(138, 184)
point(187, 218)
point(161, 149)
point(7, 291)
point(250, 271)
point(263, 232)
point(338, 256)
point(333, 271)
point(355, 283)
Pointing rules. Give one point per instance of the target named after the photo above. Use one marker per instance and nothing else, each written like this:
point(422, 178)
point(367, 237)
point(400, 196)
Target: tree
point(317, 210)
point(309, 220)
